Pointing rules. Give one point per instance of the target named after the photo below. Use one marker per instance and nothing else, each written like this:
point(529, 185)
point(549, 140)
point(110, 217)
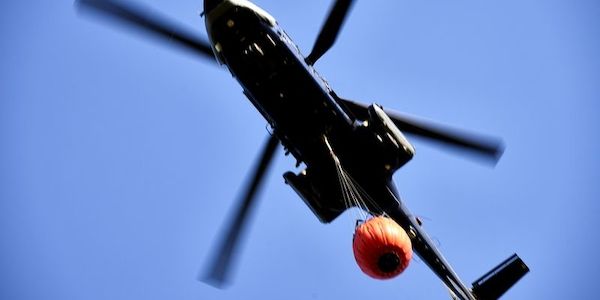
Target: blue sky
point(122, 157)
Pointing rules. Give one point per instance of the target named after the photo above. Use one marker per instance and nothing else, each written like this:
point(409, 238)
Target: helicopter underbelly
point(288, 93)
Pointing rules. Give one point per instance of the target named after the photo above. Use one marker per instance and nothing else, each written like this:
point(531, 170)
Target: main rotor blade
point(149, 22)
point(330, 30)
point(489, 148)
point(486, 147)
point(218, 273)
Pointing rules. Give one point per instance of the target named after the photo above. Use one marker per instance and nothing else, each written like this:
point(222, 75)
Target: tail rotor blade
point(330, 30)
point(220, 267)
point(147, 21)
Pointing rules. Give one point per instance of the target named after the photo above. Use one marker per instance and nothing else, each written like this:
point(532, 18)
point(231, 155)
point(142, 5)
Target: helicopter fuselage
point(315, 127)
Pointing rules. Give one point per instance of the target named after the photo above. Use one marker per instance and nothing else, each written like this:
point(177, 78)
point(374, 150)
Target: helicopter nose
point(209, 5)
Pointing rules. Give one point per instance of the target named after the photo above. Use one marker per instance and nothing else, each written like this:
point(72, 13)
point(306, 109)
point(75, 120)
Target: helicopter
point(321, 130)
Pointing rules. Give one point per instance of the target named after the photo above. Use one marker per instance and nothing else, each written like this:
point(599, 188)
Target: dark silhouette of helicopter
point(318, 128)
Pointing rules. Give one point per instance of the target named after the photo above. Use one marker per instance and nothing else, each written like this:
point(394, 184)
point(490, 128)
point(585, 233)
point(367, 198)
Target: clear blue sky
point(120, 157)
